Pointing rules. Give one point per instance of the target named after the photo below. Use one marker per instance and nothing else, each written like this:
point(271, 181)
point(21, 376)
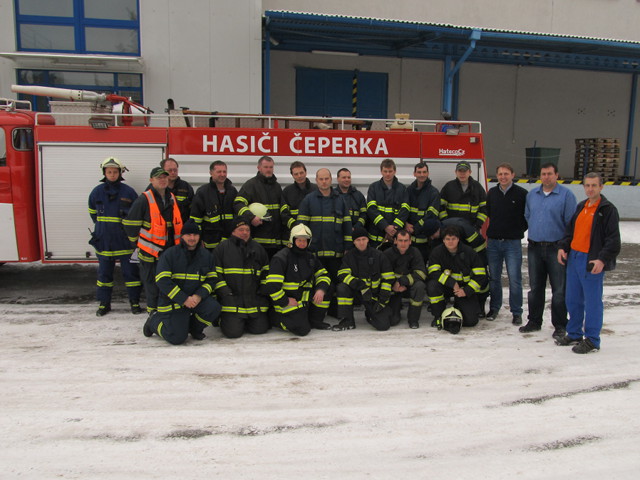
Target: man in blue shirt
point(548, 210)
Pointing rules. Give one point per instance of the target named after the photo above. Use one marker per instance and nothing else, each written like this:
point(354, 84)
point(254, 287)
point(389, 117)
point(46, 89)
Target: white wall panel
point(8, 244)
point(68, 174)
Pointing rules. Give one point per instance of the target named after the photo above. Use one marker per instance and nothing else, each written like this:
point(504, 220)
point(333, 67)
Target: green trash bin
point(537, 156)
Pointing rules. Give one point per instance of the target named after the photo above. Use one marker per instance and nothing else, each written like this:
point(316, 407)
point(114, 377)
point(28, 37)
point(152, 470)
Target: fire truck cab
point(49, 163)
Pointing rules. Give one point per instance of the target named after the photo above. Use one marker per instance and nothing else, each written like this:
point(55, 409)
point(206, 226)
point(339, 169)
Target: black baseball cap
point(157, 172)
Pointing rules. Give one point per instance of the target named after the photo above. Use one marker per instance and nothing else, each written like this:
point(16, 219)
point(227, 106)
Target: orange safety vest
point(155, 239)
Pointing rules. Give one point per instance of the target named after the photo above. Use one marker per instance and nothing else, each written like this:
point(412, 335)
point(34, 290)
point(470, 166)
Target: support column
point(631, 124)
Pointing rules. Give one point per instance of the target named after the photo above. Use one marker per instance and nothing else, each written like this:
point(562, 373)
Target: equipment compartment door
point(67, 174)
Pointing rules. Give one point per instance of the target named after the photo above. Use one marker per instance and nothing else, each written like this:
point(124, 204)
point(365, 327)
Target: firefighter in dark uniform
point(180, 188)
point(387, 205)
point(464, 198)
point(410, 274)
point(293, 194)
point(424, 205)
point(186, 277)
point(109, 204)
point(356, 203)
point(455, 270)
point(366, 276)
point(154, 224)
point(327, 216)
point(212, 206)
point(263, 189)
point(298, 285)
point(242, 266)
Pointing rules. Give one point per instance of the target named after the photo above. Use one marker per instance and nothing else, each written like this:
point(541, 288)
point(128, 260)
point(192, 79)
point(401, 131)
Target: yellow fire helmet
point(450, 320)
point(259, 210)
point(113, 162)
point(301, 231)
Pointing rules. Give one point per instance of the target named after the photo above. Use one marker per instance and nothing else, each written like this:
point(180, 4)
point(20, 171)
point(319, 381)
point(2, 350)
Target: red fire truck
point(49, 162)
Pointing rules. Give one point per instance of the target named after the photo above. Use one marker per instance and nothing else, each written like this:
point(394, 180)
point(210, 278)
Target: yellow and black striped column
point(354, 95)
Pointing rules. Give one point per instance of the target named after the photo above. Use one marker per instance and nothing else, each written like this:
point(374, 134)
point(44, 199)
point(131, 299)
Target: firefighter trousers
point(234, 325)
point(106, 266)
point(175, 325)
point(439, 294)
point(148, 278)
point(301, 320)
point(380, 320)
point(416, 294)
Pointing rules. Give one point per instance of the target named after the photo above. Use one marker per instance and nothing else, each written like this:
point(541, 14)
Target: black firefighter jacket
point(371, 269)
point(408, 268)
point(470, 204)
point(242, 271)
point(329, 221)
point(267, 191)
point(464, 267)
point(292, 197)
point(424, 203)
point(181, 273)
point(386, 206)
point(213, 211)
point(295, 273)
point(357, 205)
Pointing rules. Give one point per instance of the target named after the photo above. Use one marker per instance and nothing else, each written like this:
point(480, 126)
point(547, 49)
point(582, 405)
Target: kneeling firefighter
point(298, 285)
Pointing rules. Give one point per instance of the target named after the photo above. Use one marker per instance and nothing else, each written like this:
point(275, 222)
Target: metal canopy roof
point(304, 32)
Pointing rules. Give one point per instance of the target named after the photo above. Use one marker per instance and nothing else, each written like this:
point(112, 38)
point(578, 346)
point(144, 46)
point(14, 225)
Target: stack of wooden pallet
point(601, 155)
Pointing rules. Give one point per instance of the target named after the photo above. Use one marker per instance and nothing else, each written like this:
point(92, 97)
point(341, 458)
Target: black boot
point(396, 305)
point(136, 309)
point(103, 309)
point(147, 329)
point(413, 315)
point(344, 324)
point(197, 335)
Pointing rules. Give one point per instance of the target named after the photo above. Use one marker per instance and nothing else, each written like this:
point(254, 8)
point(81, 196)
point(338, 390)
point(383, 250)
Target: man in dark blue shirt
point(507, 224)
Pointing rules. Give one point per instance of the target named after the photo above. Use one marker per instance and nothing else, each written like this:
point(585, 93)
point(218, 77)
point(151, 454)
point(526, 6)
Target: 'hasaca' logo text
point(447, 152)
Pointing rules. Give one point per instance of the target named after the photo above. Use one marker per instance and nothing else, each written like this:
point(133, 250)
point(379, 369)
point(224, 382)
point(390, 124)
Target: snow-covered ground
point(83, 398)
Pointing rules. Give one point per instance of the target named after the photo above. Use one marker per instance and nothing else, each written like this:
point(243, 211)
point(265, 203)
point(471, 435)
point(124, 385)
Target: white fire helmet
point(259, 210)
point(450, 320)
point(300, 231)
point(113, 162)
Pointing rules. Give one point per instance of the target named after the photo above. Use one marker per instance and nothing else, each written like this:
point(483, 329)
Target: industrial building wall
point(521, 107)
point(595, 18)
point(206, 55)
point(518, 106)
point(7, 44)
point(414, 85)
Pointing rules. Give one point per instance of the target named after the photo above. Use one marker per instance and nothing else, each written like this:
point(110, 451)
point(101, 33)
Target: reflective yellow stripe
point(109, 219)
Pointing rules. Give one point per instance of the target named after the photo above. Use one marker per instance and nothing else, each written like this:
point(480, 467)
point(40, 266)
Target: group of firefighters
point(266, 257)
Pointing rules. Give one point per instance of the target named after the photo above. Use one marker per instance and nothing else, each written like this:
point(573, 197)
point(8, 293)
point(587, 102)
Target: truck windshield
point(23, 139)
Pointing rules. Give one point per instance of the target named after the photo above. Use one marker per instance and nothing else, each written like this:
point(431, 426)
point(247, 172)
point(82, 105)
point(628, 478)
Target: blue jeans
point(543, 263)
point(584, 299)
point(509, 252)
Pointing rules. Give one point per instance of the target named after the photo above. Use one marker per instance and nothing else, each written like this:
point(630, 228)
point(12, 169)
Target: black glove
point(366, 294)
point(358, 284)
point(384, 296)
point(378, 307)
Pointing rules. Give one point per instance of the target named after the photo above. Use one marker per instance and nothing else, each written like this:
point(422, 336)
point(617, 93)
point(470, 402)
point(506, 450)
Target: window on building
point(78, 26)
point(125, 84)
point(331, 92)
